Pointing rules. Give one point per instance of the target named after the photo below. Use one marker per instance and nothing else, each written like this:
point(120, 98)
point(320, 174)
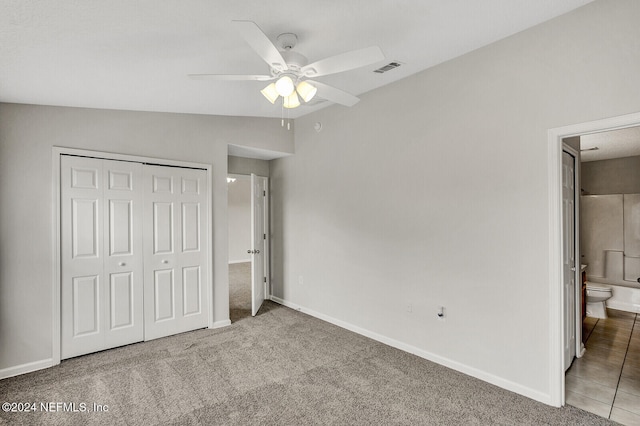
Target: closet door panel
point(82, 271)
point(86, 301)
point(124, 254)
point(191, 291)
point(163, 295)
point(163, 228)
point(175, 297)
point(101, 254)
point(122, 299)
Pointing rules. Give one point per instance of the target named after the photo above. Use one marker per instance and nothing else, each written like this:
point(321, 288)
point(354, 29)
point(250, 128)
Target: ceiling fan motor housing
point(287, 41)
point(295, 61)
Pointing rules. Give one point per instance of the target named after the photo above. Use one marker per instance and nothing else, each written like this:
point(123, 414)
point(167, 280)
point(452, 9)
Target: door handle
point(573, 268)
point(253, 251)
point(121, 264)
point(165, 261)
point(250, 251)
point(257, 251)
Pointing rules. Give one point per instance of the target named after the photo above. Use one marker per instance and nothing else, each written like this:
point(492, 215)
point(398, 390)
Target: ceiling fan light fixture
point(291, 101)
point(284, 86)
point(306, 90)
point(270, 93)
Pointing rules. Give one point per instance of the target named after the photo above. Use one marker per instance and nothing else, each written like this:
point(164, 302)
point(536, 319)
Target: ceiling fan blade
point(261, 44)
point(344, 62)
point(231, 77)
point(335, 95)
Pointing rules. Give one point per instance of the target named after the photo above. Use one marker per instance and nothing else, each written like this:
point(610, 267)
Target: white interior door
point(101, 255)
point(258, 237)
point(176, 296)
point(568, 257)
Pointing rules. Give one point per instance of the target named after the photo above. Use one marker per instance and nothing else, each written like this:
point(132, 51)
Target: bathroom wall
point(615, 176)
point(610, 219)
point(573, 142)
point(601, 233)
point(610, 237)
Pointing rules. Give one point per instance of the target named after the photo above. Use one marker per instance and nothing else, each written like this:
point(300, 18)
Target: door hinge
point(265, 279)
point(264, 193)
point(264, 236)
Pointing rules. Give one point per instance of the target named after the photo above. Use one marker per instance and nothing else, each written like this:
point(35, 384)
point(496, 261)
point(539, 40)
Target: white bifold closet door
point(133, 253)
point(175, 294)
point(101, 254)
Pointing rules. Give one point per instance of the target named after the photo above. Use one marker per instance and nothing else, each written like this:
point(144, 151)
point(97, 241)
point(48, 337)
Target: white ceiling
point(612, 144)
point(135, 55)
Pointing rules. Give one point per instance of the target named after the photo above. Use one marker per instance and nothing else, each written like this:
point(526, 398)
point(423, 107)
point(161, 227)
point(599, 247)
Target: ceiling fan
point(292, 72)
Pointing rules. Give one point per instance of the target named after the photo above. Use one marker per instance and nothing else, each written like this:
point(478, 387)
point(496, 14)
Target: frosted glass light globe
point(284, 86)
point(306, 91)
point(291, 101)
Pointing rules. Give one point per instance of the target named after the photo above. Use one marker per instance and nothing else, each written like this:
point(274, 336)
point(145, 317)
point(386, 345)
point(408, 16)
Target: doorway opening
point(575, 137)
point(603, 378)
point(247, 199)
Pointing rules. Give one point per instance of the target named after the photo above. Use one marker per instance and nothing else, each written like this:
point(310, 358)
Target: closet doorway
point(134, 250)
point(248, 209)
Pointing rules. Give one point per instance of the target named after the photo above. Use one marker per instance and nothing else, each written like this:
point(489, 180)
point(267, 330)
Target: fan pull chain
point(282, 116)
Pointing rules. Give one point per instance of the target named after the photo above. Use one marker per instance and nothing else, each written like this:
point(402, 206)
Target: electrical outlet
point(441, 313)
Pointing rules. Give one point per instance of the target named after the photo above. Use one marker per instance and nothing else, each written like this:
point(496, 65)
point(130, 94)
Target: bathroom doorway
point(603, 378)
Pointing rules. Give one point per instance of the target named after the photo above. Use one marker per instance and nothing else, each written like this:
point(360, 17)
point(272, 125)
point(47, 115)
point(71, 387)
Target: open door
point(258, 238)
point(568, 256)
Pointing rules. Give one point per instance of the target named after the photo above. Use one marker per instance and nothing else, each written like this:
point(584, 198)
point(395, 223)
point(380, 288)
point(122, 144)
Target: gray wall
point(240, 204)
point(433, 191)
point(616, 176)
point(27, 135)
point(573, 142)
point(239, 213)
point(246, 166)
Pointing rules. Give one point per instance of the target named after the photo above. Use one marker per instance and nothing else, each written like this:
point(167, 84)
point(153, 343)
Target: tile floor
point(606, 380)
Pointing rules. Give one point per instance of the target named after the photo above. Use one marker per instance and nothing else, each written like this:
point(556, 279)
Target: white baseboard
point(239, 261)
point(26, 368)
point(220, 324)
point(470, 371)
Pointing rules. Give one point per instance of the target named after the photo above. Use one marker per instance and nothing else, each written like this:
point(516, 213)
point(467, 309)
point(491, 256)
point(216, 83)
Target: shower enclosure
point(610, 238)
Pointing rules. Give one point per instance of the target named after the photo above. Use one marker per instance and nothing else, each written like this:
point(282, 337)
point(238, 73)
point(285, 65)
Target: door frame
point(267, 242)
point(555, 138)
point(57, 152)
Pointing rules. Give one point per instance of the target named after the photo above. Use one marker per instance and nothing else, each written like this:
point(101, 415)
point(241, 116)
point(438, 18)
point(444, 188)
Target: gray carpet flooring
point(239, 291)
point(281, 367)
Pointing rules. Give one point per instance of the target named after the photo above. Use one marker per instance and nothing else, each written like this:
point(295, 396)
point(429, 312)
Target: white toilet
point(596, 297)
